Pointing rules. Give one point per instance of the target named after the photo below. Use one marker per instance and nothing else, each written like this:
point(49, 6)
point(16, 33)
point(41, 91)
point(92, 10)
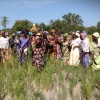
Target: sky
point(38, 11)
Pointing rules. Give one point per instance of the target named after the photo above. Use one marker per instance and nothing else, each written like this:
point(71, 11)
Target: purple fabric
point(24, 31)
point(24, 43)
point(85, 59)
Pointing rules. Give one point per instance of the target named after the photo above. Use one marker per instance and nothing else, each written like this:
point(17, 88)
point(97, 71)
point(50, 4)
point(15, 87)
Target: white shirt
point(4, 43)
point(76, 41)
point(85, 45)
point(98, 42)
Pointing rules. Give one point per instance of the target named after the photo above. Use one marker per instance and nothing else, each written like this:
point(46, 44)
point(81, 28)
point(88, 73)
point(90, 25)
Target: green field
point(52, 83)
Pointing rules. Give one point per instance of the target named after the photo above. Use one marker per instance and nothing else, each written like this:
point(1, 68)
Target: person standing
point(38, 52)
point(75, 49)
point(85, 50)
point(24, 44)
point(4, 47)
point(65, 56)
point(95, 49)
point(58, 46)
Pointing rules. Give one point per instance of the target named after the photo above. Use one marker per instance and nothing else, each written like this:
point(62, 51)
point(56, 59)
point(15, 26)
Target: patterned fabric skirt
point(38, 57)
point(85, 59)
point(65, 58)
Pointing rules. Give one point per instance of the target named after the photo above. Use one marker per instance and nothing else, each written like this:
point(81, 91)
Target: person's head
point(53, 32)
point(78, 32)
point(24, 33)
point(75, 35)
point(38, 38)
point(95, 37)
point(59, 32)
point(38, 35)
point(83, 35)
point(3, 34)
point(13, 35)
point(6, 34)
point(65, 36)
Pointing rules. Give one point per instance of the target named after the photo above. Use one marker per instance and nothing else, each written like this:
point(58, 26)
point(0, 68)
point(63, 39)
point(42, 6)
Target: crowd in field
point(73, 49)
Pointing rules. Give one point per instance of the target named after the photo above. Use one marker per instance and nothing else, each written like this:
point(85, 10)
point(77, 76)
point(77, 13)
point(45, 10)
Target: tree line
point(70, 22)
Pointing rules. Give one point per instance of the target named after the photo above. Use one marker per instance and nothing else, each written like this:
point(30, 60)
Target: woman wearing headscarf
point(51, 45)
point(24, 44)
point(85, 49)
point(95, 49)
point(65, 56)
point(58, 46)
point(75, 49)
point(38, 52)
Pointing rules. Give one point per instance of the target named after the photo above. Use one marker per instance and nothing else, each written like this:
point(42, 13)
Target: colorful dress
point(38, 55)
point(24, 44)
point(85, 57)
point(58, 47)
point(96, 49)
point(65, 57)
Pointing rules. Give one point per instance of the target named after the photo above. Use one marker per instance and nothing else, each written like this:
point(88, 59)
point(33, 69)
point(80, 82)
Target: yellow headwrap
point(96, 34)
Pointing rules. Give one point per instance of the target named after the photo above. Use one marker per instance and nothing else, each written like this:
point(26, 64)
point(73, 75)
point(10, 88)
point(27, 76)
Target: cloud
point(25, 3)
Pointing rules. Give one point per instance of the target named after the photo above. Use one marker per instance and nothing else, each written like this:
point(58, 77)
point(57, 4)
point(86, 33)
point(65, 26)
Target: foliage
point(24, 83)
point(73, 19)
point(91, 30)
point(98, 26)
point(4, 21)
point(21, 24)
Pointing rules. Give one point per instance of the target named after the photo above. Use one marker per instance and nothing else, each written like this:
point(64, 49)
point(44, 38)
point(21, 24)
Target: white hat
point(77, 31)
point(77, 34)
point(96, 34)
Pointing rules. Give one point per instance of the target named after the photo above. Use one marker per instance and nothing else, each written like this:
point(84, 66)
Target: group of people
point(73, 49)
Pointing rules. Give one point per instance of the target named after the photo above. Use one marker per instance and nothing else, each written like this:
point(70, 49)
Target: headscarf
point(65, 35)
point(52, 31)
point(18, 32)
point(96, 34)
point(77, 34)
point(30, 33)
point(83, 34)
point(24, 31)
point(72, 33)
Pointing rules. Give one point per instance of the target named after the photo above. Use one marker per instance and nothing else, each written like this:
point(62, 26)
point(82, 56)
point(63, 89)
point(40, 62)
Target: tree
point(98, 26)
point(4, 22)
point(60, 25)
point(22, 24)
point(73, 19)
point(91, 30)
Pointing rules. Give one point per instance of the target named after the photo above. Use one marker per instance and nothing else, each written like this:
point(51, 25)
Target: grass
point(17, 80)
point(25, 83)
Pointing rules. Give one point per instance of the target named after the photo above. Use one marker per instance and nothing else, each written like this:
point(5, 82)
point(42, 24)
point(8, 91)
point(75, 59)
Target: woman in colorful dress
point(58, 46)
point(24, 44)
point(95, 49)
point(38, 53)
point(51, 43)
point(85, 50)
point(65, 56)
